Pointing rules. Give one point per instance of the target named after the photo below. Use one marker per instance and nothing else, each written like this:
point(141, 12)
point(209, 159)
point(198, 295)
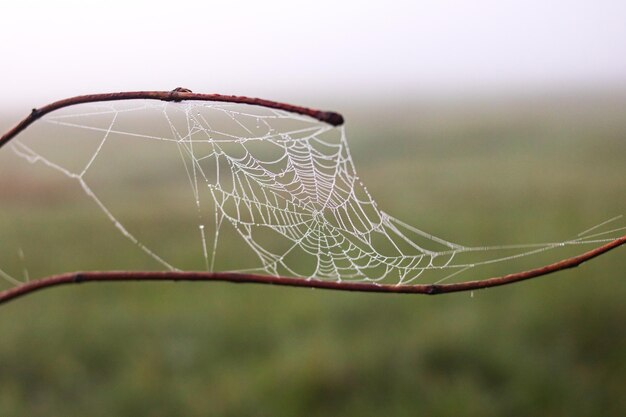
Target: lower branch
point(240, 278)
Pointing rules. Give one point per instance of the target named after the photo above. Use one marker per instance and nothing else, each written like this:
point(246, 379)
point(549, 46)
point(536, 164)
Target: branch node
point(174, 93)
point(78, 278)
point(434, 289)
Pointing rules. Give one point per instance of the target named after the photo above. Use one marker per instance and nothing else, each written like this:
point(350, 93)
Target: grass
point(476, 174)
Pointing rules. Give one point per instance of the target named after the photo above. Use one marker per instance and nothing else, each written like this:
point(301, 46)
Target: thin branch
point(332, 118)
point(176, 95)
point(239, 278)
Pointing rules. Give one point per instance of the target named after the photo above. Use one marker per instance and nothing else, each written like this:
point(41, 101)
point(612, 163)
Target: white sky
point(287, 49)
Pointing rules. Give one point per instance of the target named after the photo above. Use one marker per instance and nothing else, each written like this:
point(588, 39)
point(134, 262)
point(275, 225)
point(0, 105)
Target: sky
point(287, 50)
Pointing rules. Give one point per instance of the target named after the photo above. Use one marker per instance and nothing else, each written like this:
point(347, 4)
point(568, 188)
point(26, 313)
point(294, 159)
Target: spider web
point(285, 184)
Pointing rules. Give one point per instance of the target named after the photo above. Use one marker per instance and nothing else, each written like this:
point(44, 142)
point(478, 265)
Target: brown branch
point(332, 118)
point(240, 278)
point(176, 95)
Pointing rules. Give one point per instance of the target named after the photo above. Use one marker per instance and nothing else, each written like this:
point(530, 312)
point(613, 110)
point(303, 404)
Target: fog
point(288, 50)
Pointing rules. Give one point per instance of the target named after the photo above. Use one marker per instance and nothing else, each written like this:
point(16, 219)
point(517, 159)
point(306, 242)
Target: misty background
point(484, 122)
point(311, 52)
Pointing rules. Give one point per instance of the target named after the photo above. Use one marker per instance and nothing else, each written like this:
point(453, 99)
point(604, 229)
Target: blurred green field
point(478, 172)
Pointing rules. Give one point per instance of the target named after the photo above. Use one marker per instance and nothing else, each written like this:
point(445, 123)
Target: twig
point(239, 278)
point(332, 118)
point(176, 95)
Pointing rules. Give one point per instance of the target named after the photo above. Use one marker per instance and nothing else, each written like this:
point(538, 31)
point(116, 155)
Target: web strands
point(285, 184)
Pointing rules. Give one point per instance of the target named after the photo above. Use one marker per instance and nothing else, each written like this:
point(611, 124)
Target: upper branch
point(176, 95)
